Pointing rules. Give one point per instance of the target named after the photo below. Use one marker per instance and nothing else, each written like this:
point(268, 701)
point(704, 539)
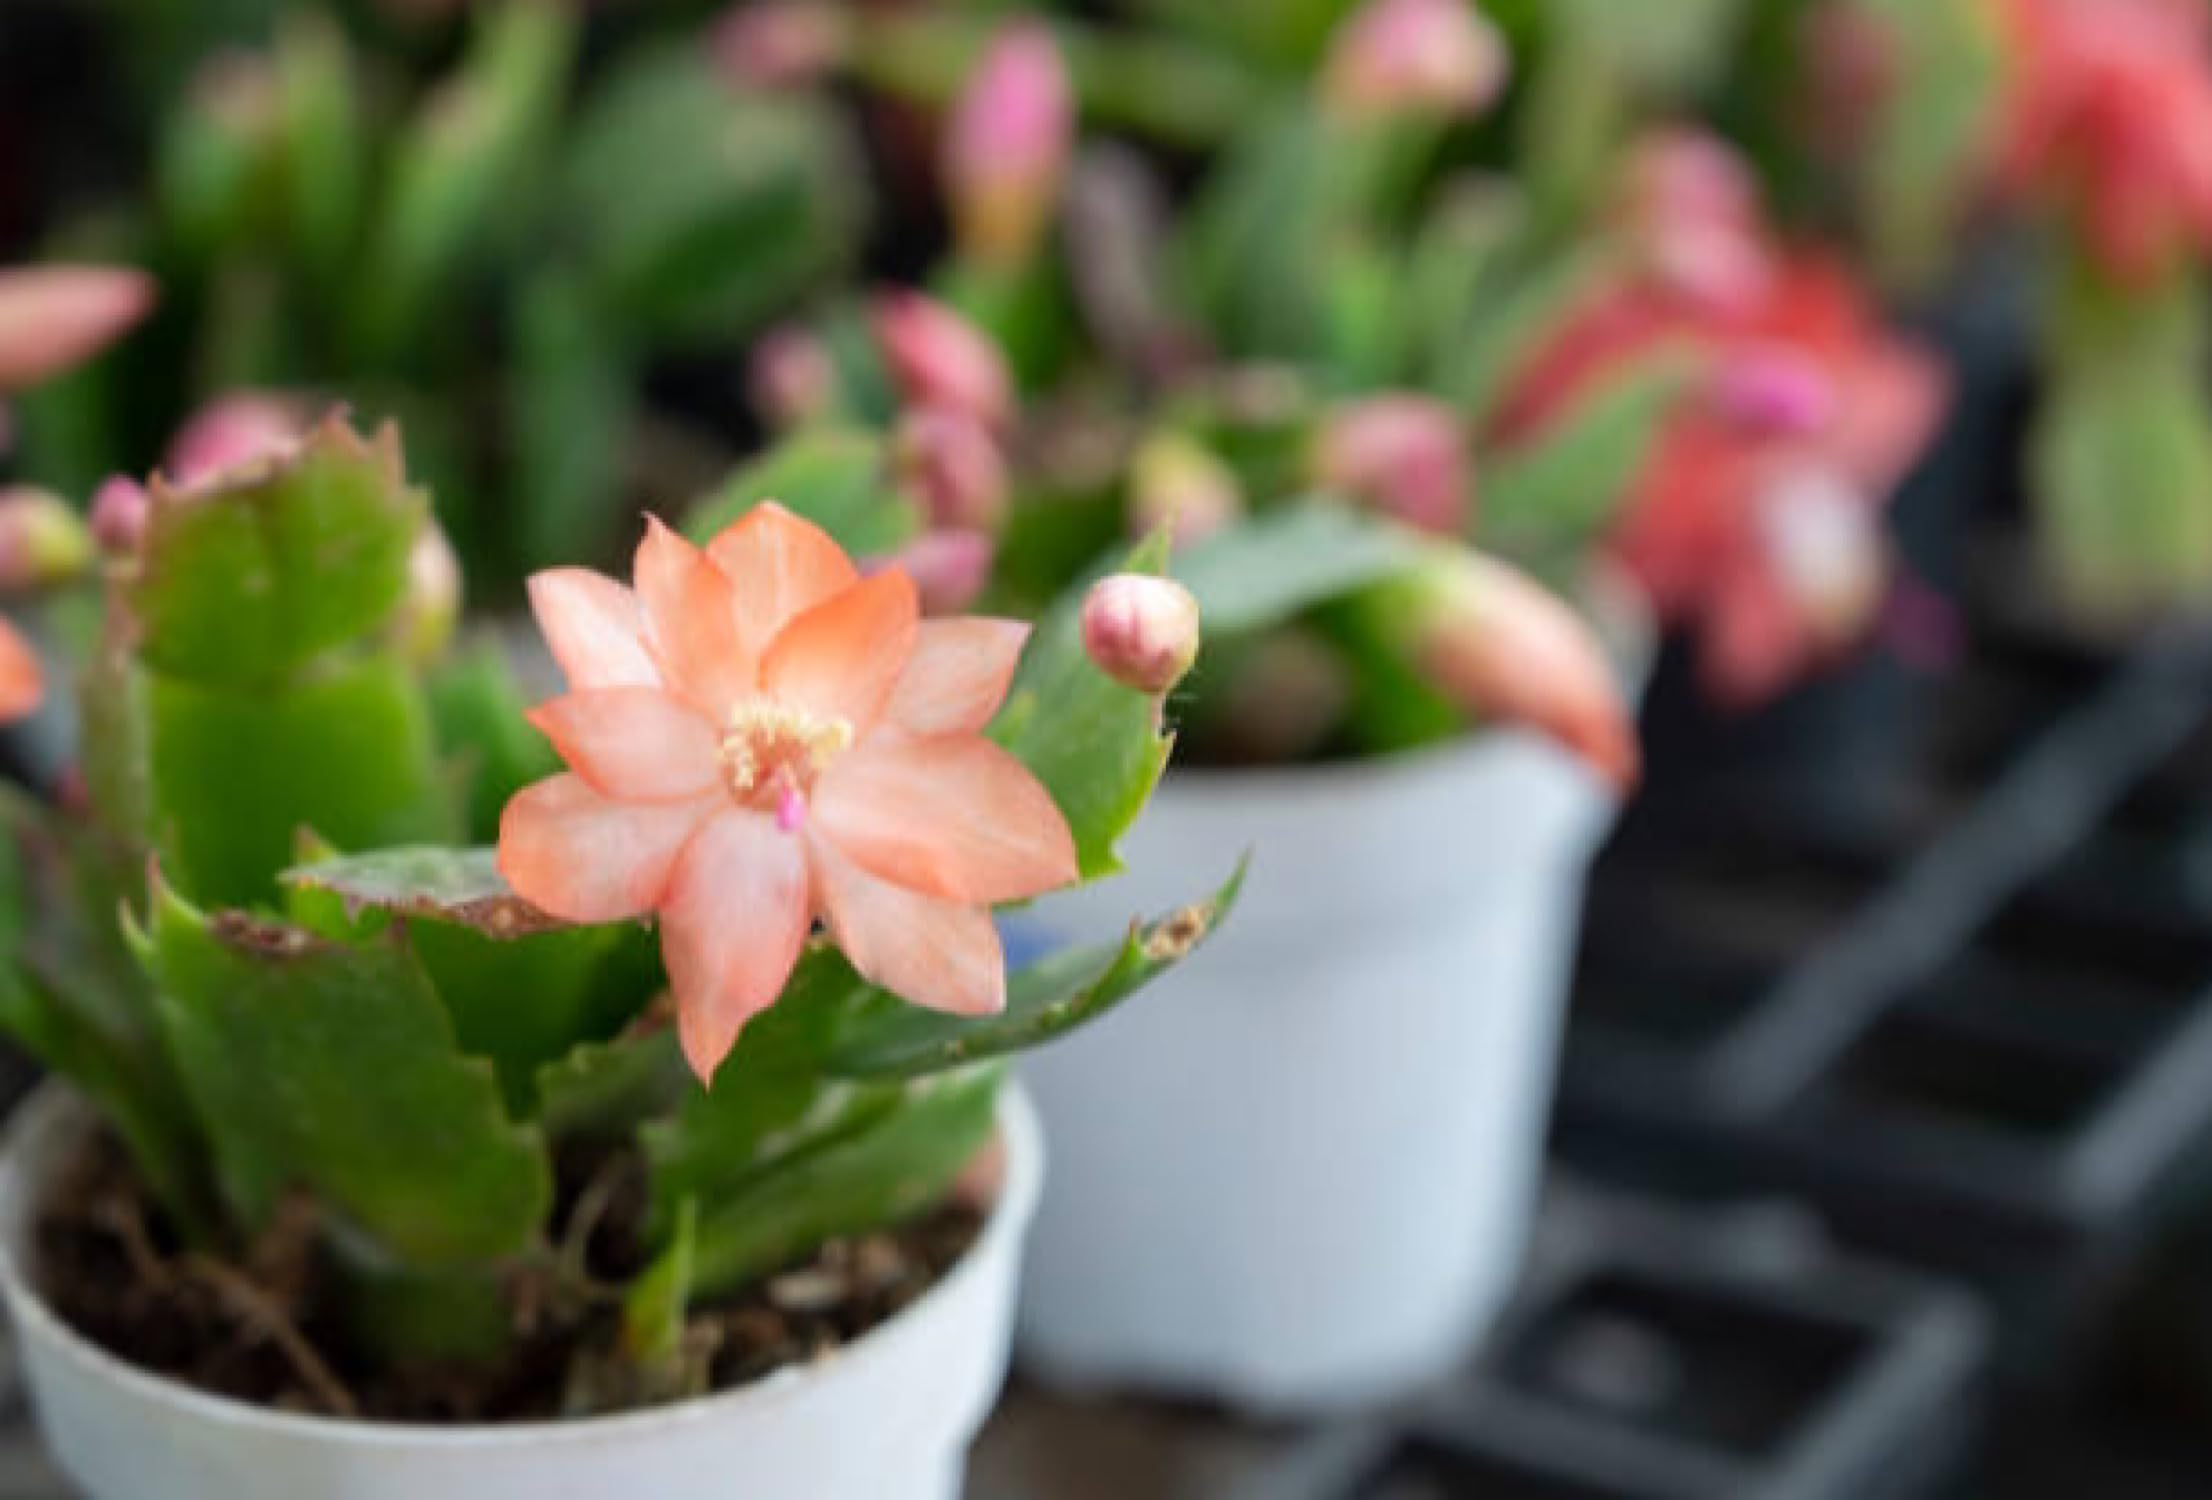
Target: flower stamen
point(772, 752)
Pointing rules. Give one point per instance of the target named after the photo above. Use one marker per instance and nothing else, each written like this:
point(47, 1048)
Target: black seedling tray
point(1666, 1361)
point(1992, 1056)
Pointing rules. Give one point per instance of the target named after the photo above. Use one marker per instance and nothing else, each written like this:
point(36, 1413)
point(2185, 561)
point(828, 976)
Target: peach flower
point(758, 736)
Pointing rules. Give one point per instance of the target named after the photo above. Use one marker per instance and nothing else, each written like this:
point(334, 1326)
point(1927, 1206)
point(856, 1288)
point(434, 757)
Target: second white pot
point(1299, 1175)
point(889, 1418)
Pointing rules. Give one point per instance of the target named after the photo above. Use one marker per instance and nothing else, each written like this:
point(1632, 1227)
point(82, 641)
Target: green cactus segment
point(603, 1091)
point(523, 989)
point(1281, 564)
point(71, 993)
point(437, 1317)
point(767, 1099)
point(462, 886)
point(236, 773)
point(477, 705)
point(1044, 1001)
point(333, 1067)
point(527, 1002)
point(653, 1312)
point(702, 211)
point(1550, 500)
point(248, 584)
point(460, 178)
point(838, 478)
point(894, 1166)
point(1096, 745)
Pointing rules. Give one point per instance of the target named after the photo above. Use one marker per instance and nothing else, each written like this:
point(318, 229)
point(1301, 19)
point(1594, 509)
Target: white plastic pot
point(1297, 1175)
point(889, 1418)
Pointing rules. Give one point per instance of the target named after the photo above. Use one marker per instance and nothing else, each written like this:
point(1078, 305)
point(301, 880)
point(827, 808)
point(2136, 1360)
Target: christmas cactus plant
point(720, 985)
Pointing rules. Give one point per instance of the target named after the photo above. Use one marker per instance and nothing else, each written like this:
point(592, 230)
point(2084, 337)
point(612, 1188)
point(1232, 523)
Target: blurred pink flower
point(939, 359)
point(950, 568)
point(1501, 645)
point(2109, 114)
point(53, 318)
point(1393, 57)
point(233, 431)
point(1006, 148)
point(951, 464)
point(1403, 455)
point(791, 378)
point(779, 44)
point(1710, 529)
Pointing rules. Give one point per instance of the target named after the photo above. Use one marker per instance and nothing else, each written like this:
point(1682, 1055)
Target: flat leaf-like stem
point(460, 886)
point(1044, 1001)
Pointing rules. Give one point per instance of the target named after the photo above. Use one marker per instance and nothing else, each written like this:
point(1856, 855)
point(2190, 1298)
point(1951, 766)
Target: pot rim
point(1003, 1229)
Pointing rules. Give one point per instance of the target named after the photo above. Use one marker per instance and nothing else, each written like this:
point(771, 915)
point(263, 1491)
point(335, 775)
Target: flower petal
point(779, 567)
point(594, 629)
point(734, 922)
point(958, 675)
point(955, 817)
point(22, 678)
point(938, 954)
point(635, 743)
point(841, 659)
point(691, 622)
point(53, 318)
point(585, 857)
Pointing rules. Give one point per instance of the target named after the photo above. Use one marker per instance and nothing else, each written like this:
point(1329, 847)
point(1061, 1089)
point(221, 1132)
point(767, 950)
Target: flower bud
point(120, 510)
point(53, 318)
point(1006, 149)
point(42, 541)
point(1500, 645)
point(1141, 631)
point(792, 379)
point(1692, 204)
point(949, 568)
point(938, 358)
point(1776, 391)
point(952, 466)
point(1402, 455)
point(232, 432)
point(1418, 57)
point(1177, 483)
point(431, 607)
point(779, 44)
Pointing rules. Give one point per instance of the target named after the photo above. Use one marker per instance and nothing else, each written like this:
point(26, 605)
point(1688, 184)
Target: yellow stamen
point(771, 747)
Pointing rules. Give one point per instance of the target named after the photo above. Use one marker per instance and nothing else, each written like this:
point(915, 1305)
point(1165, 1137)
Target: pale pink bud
point(1692, 202)
point(120, 510)
point(42, 541)
point(1421, 57)
point(1007, 146)
point(780, 44)
point(1179, 484)
point(432, 605)
point(232, 432)
point(1502, 646)
point(1683, 176)
point(1140, 630)
point(1823, 538)
point(1716, 267)
point(938, 358)
point(1403, 455)
point(952, 465)
point(53, 318)
point(1776, 391)
point(949, 568)
point(792, 379)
